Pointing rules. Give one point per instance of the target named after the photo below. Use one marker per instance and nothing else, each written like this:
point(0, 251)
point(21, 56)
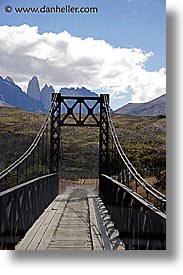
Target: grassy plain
point(143, 139)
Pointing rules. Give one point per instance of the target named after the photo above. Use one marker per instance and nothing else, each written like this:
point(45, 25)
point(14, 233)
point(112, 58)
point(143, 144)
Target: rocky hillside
point(11, 94)
point(154, 107)
point(36, 99)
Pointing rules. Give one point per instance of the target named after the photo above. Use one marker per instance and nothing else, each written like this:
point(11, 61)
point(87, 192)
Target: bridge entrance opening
point(79, 160)
point(88, 112)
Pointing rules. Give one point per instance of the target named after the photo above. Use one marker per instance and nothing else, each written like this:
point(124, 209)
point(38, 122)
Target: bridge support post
point(55, 134)
point(103, 142)
point(104, 136)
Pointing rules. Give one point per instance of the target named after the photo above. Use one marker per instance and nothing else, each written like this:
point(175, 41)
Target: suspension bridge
point(35, 214)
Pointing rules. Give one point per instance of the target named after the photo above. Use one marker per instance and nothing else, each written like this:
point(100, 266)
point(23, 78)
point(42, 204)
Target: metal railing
point(141, 226)
point(20, 206)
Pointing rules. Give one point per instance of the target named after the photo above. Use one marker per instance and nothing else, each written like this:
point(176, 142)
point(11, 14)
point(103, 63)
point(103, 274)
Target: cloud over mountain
point(68, 61)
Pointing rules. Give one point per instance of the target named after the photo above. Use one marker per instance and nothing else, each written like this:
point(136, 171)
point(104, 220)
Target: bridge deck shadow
point(75, 220)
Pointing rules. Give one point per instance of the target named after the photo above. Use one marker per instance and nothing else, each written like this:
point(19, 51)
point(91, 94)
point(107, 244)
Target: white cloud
point(65, 60)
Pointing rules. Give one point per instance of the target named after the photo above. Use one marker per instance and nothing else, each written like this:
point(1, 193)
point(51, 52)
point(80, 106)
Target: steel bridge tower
point(64, 108)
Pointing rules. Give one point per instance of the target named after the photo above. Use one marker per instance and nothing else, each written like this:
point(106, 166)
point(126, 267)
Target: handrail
point(21, 206)
point(136, 196)
point(158, 195)
point(140, 224)
point(12, 189)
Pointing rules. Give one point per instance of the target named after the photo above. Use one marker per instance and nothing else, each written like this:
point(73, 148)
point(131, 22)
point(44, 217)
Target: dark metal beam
point(70, 118)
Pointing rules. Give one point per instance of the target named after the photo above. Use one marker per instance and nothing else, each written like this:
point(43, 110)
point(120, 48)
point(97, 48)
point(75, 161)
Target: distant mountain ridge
point(39, 100)
point(77, 92)
point(155, 107)
point(11, 94)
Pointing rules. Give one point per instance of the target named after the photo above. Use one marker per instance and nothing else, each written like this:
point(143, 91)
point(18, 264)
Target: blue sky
point(121, 23)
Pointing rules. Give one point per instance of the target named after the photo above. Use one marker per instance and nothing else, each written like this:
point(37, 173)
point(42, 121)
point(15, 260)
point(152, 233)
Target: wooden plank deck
point(72, 223)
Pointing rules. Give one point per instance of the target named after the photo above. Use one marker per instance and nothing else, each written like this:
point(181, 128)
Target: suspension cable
point(127, 162)
point(33, 144)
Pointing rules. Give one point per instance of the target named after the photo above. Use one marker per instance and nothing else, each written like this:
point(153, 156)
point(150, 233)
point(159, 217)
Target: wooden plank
point(73, 230)
point(70, 243)
point(66, 237)
point(46, 239)
point(108, 238)
point(71, 248)
point(36, 232)
point(105, 239)
point(111, 231)
point(97, 241)
point(24, 243)
point(39, 235)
